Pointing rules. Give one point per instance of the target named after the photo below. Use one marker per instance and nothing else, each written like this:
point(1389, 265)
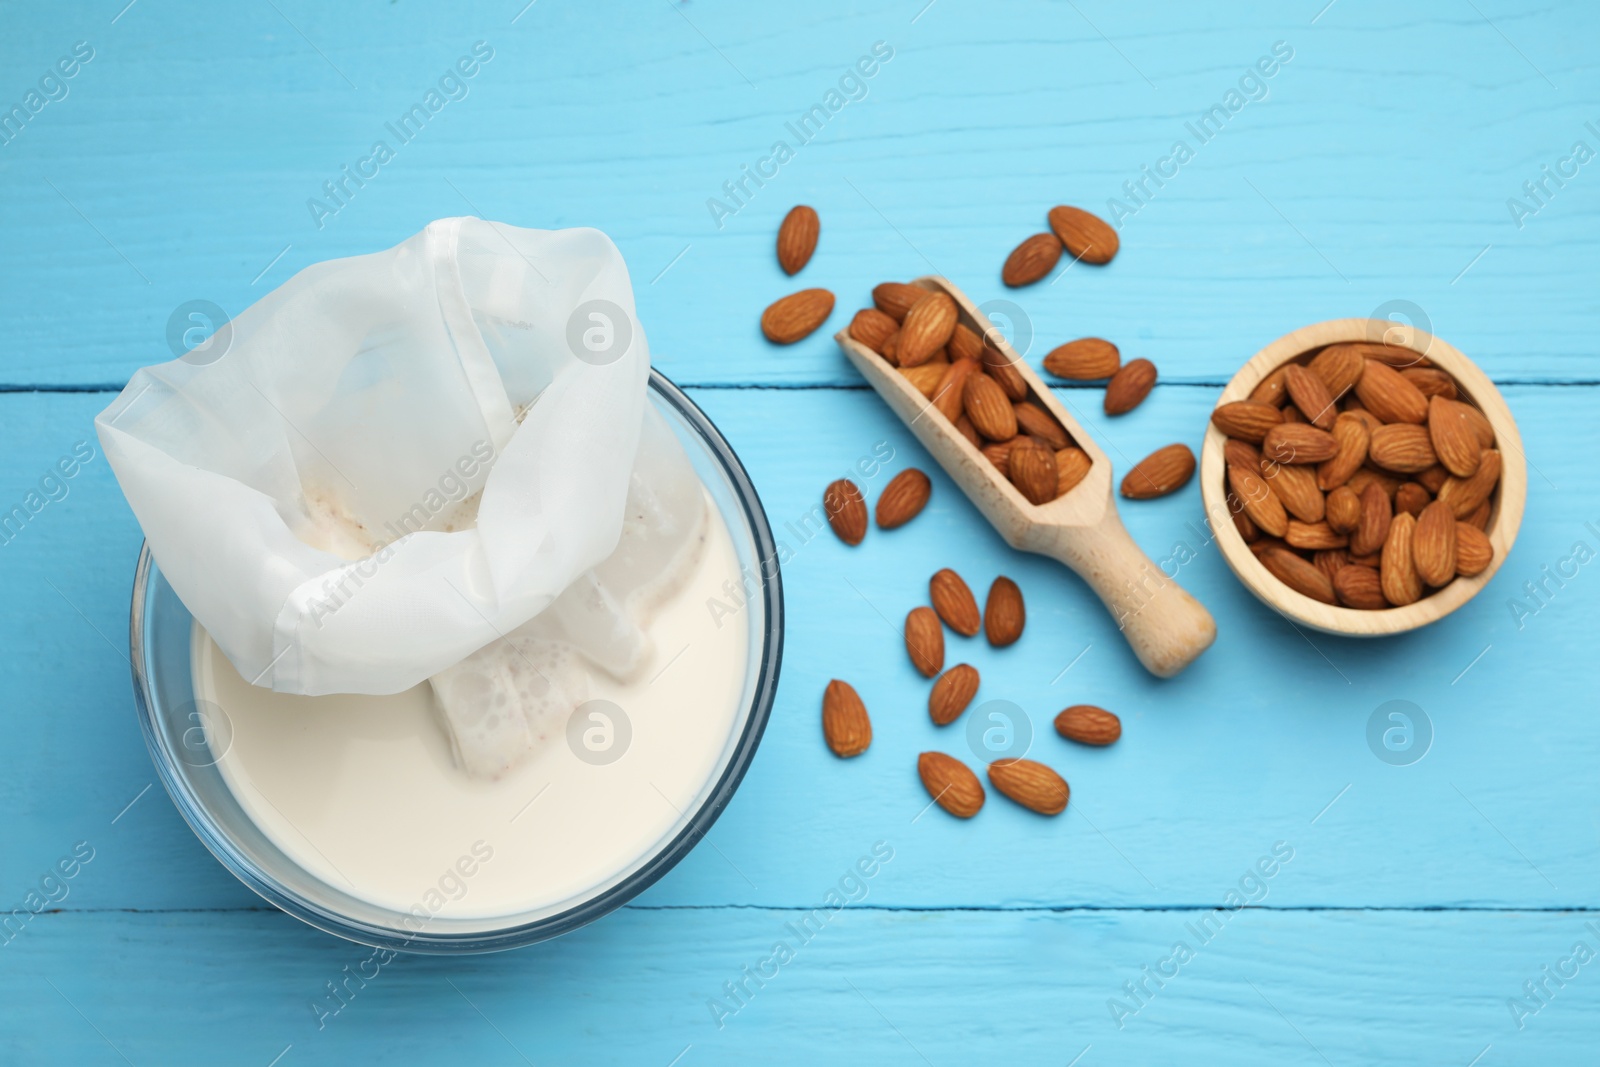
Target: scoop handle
point(1165, 626)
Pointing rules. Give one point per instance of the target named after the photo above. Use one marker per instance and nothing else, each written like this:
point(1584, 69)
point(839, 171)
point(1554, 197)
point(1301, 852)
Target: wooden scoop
point(1166, 627)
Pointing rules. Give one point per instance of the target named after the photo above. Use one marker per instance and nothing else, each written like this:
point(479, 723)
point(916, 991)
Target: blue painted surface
point(1376, 167)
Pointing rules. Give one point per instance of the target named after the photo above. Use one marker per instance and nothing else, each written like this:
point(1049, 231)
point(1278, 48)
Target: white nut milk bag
point(436, 460)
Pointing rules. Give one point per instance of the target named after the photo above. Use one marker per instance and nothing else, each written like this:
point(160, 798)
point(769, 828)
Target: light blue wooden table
point(1389, 159)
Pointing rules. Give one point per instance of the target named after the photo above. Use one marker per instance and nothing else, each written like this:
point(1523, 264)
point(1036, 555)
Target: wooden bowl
point(1505, 508)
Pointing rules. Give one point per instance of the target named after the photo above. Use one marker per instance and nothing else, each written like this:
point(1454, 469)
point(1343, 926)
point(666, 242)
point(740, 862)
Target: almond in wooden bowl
point(1393, 439)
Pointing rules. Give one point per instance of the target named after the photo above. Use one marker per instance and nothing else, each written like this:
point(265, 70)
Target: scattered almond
point(1129, 386)
point(903, 498)
point(797, 238)
point(846, 510)
point(845, 724)
point(951, 784)
point(1163, 471)
point(1088, 725)
point(1086, 359)
point(925, 641)
point(951, 694)
point(796, 316)
point(1003, 613)
point(954, 602)
point(1031, 260)
point(1033, 785)
point(1087, 237)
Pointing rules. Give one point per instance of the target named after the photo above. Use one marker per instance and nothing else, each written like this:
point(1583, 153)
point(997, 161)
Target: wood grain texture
point(1377, 167)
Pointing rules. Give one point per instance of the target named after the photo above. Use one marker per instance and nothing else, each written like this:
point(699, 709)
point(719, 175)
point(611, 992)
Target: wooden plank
point(181, 164)
point(1269, 987)
point(1247, 747)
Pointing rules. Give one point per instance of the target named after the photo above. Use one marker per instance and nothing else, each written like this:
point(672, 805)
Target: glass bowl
point(181, 734)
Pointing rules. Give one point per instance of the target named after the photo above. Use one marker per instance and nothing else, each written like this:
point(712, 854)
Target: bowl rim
point(1505, 519)
point(698, 823)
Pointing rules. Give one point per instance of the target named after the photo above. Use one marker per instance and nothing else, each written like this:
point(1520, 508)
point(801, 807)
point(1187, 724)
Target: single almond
point(1031, 260)
point(845, 725)
point(925, 641)
point(1296, 486)
point(1386, 393)
point(1314, 536)
point(1339, 367)
point(1376, 516)
point(1464, 495)
point(926, 328)
point(1003, 613)
point(1480, 425)
point(1246, 420)
point(999, 453)
point(1455, 441)
point(1372, 476)
point(1353, 438)
point(1433, 544)
point(1359, 587)
point(1310, 394)
point(1480, 517)
point(1085, 360)
point(964, 344)
point(872, 328)
point(926, 378)
point(951, 694)
point(846, 510)
point(1088, 725)
point(1129, 386)
point(1397, 572)
point(1297, 573)
point(1294, 442)
point(1431, 382)
point(1037, 422)
point(891, 347)
point(1031, 784)
point(1000, 367)
point(1258, 500)
point(1329, 560)
point(894, 299)
point(954, 602)
point(1032, 469)
point(1343, 509)
point(796, 316)
point(1474, 552)
point(903, 498)
point(989, 408)
point(1071, 466)
point(970, 432)
point(1402, 447)
point(948, 396)
point(797, 238)
point(1087, 237)
point(1241, 454)
point(1241, 522)
point(1271, 390)
point(1163, 471)
point(1397, 356)
point(1411, 497)
point(951, 784)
